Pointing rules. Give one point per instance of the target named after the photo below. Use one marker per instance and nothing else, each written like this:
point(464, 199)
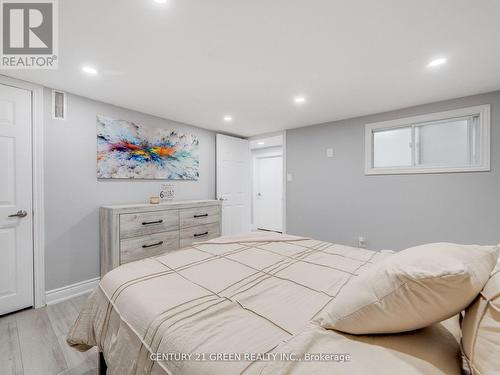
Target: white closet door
point(233, 183)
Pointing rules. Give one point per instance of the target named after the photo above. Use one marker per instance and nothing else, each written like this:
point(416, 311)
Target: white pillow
point(481, 329)
point(411, 289)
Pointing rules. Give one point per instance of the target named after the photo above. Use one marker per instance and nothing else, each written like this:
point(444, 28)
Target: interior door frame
point(255, 159)
point(37, 131)
point(285, 176)
point(285, 171)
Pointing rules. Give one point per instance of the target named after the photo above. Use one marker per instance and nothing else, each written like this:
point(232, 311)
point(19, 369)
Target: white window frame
point(484, 112)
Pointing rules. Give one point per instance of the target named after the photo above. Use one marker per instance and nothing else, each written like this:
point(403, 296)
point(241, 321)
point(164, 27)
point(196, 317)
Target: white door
point(269, 193)
point(16, 245)
point(233, 183)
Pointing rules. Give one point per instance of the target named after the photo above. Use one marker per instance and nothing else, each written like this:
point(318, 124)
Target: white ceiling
point(195, 61)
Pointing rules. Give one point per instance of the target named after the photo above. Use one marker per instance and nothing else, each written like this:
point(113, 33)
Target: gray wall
point(331, 198)
point(73, 194)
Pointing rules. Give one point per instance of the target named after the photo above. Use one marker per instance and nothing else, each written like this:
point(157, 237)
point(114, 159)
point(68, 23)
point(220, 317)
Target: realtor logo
point(29, 34)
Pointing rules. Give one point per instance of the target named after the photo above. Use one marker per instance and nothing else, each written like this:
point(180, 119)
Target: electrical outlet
point(329, 152)
point(361, 242)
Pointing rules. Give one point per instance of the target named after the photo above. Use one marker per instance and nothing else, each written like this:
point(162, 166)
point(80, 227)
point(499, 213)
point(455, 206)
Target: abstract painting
point(129, 150)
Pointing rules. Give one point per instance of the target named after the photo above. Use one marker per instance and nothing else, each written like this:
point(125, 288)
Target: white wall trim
point(69, 291)
point(285, 173)
point(38, 184)
point(38, 198)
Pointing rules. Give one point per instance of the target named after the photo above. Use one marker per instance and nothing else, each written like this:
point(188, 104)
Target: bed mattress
point(246, 305)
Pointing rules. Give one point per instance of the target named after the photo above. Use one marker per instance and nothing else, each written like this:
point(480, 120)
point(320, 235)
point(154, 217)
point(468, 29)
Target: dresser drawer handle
point(200, 234)
point(197, 216)
point(152, 222)
point(152, 245)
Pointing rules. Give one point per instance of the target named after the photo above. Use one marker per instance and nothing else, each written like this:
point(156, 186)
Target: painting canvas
point(129, 150)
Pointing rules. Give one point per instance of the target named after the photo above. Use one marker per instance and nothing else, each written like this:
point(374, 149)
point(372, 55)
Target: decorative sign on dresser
point(135, 231)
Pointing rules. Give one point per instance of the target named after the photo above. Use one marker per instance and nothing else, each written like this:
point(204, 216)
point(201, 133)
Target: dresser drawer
point(142, 223)
point(198, 233)
point(191, 217)
point(147, 246)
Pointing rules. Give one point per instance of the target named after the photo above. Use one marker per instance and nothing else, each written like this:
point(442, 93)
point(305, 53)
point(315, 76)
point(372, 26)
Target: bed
point(246, 305)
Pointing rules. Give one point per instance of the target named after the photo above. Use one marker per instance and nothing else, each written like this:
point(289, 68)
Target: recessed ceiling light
point(299, 99)
point(228, 118)
point(436, 62)
point(160, 1)
point(261, 143)
point(89, 70)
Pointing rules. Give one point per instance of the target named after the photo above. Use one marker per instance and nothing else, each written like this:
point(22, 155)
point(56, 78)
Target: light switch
point(329, 152)
point(289, 177)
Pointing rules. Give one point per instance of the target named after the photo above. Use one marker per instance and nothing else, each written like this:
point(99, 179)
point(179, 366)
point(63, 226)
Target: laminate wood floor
point(33, 342)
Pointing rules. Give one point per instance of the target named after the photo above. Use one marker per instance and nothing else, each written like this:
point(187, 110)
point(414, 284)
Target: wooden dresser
point(136, 231)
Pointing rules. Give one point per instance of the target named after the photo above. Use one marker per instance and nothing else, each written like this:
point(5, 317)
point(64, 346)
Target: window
point(452, 141)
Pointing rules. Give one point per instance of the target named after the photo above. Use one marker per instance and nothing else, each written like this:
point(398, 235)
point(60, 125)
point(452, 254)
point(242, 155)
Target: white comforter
point(244, 305)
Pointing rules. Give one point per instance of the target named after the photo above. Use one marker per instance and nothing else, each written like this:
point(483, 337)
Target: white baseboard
point(69, 291)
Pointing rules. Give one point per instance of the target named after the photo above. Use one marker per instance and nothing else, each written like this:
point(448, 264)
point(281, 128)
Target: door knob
point(222, 199)
point(19, 214)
